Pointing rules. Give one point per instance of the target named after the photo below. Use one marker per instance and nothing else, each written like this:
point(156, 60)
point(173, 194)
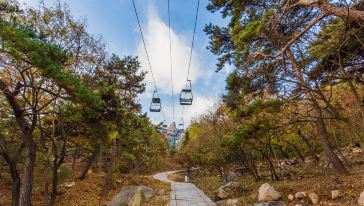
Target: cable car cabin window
point(164, 127)
point(186, 96)
point(155, 105)
point(181, 127)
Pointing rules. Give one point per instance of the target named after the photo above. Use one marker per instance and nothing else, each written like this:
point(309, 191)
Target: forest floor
point(305, 178)
point(87, 192)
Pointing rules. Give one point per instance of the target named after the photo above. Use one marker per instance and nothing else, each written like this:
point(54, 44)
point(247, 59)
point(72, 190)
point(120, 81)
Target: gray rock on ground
point(127, 193)
point(136, 200)
point(231, 176)
point(268, 193)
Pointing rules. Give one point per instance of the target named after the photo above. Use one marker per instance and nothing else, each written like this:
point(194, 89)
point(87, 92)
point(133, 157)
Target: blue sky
point(115, 21)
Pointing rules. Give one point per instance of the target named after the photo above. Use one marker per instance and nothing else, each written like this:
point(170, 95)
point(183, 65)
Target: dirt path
point(184, 194)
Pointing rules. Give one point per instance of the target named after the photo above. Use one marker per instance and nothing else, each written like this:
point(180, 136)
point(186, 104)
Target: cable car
point(186, 96)
point(164, 127)
point(181, 127)
point(155, 105)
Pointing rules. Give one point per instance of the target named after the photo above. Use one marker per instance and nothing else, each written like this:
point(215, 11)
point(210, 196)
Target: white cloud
point(201, 105)
point(157, 42)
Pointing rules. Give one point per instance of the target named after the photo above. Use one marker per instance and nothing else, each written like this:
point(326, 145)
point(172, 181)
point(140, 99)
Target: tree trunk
point(284, 153)
point(100, 162)
point(248, 162)
point(273, 172)
point(298, 153)
point(109, 170)
point(46, 187)
point(320, 124)
point(74, 158)
point(336, 113)
point(90, 161)
point(27, 187)
point(15, 186)
point(339, 11)
point(309, 146)
point(268, 160)
point(54, 185)
point(12, 163)
point(255, 171)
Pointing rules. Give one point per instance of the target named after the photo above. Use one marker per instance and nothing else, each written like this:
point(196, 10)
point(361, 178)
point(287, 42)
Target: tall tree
point(267, 43)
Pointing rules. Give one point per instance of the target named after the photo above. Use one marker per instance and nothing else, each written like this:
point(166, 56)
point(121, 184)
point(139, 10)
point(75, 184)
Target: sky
point(115, 21)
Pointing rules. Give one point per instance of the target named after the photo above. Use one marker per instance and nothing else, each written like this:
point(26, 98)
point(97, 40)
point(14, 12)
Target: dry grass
point(86, 192)
point(308, 179)
point(177, 177)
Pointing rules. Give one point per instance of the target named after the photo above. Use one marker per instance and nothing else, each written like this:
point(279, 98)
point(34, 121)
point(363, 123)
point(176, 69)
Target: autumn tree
point(268, 42)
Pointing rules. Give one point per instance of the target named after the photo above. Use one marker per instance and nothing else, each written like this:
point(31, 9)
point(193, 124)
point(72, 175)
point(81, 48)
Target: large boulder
point(136, 200)
point(268, 193)
point(127, 193)
point(361, 199)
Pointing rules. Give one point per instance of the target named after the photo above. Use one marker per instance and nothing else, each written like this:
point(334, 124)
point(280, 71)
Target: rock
point(275, 203)
point(335, 194)
point(314, 198)
point(232, 185)
point(361, 199)
point(232, 202)
point(268, 193)
point(297, 205)
point(127, 193)
point(357, 150)
point(292, 162)
point(136, 200)
point(229, 202)
point(290, 197)
point(222, 194)
point(161, 192)
point(300, 195)
point(231, 176)
point(221, 203)
point(224, 191)
point(69, 184)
